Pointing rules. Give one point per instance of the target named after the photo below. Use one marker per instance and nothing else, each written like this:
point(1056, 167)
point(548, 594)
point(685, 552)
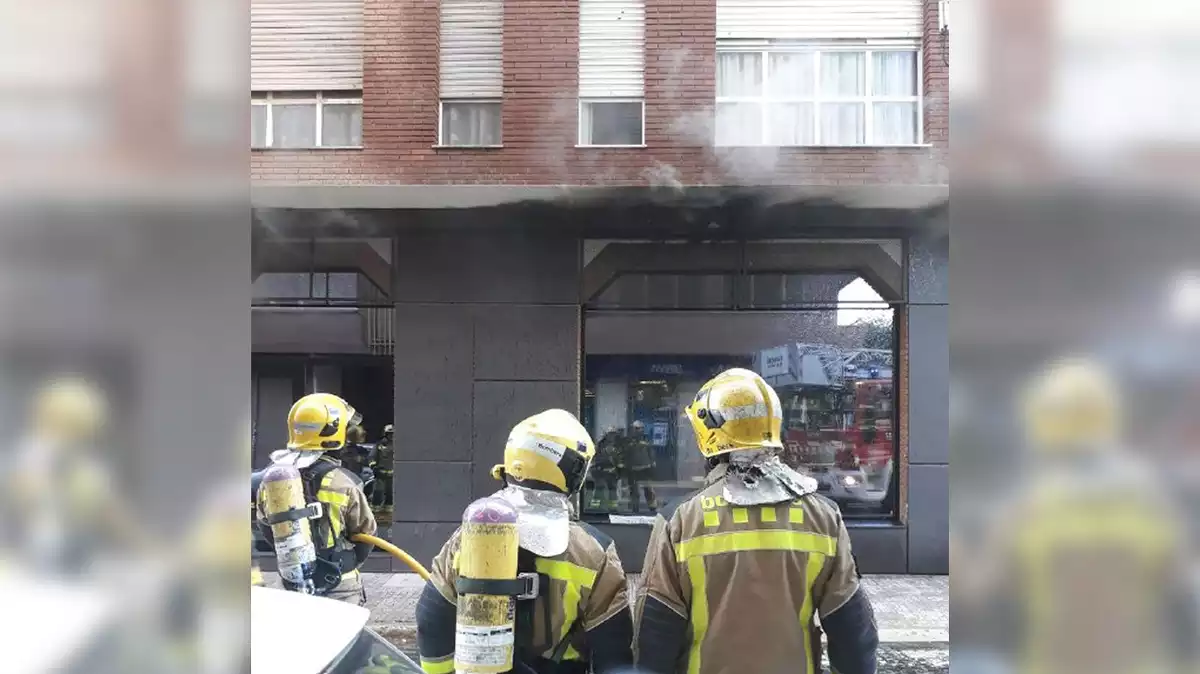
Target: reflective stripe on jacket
point(749, 579)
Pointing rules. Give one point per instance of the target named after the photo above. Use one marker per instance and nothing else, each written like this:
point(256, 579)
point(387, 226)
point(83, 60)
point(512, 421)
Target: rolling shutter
point(472, 40)
point(818, 19)
point(612, 48)
point(306, 45)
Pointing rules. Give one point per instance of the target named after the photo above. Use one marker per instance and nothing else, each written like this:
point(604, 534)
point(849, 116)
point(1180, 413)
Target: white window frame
point(319, 99)
point(765, 99)
point(606, 99)
point(441, 138)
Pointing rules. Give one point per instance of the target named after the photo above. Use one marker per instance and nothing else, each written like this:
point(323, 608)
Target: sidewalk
point(909, 609)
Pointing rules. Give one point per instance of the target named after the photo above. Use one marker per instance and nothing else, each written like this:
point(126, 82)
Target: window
point(820, 333)
point(802, 96)
point(470, 124)
point(612, 72)
point(836, 385)
point(470, 72)
point(611, 122)
point(304, 286)
point(306, 120)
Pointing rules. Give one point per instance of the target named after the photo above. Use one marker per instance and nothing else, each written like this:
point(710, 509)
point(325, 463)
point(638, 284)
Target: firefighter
point(580, 614)
point(59, 505)
point(639, 465)
point(317, 428)
point(735, 575)
point(1086, 566)
point(383, 465)
point(354, 455)
point(605, 472)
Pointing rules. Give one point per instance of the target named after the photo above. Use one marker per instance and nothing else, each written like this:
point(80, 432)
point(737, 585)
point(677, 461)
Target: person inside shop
point(382, 463)
point(579, 620)
point(355, 457)
point(639, 464)
point(606, 472)
point(318, 425)
point(757, 543)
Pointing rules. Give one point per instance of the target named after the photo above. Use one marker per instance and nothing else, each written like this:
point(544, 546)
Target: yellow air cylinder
point(285, 509)
point(484, 633)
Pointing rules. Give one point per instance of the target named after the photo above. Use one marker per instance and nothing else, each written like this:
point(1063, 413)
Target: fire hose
point(393, 551)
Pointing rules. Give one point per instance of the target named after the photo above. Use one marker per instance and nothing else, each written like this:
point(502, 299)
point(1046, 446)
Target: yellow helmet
point(72, 409)
point(1073, 405)
point(549, 451)
point(736, 410)
point(318, 422)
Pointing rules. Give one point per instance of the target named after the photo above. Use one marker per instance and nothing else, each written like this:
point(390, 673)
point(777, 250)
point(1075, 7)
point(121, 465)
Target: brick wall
point(400, 112)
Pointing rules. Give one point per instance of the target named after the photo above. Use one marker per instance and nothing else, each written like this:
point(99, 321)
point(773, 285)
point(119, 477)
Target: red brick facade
point(400, 112)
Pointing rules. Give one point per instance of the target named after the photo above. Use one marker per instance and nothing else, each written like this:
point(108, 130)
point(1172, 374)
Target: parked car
point(343, 645)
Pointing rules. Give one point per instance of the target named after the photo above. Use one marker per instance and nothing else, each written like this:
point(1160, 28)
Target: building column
point(487, 333)
point(928, 408)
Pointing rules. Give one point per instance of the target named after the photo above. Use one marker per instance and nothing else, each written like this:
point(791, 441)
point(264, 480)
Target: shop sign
point(659, 434)
point(774, 362)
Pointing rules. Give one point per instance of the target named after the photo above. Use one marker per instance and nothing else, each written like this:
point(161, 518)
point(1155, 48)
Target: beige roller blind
point(472, 41)
point(306, 44)
point(611, 48)
point(818, 19)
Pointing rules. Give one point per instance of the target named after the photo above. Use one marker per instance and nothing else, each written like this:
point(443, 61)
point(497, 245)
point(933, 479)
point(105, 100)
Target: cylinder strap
point(524, 586)
point(311, 511)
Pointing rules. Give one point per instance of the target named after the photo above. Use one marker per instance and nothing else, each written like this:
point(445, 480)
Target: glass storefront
point(826, 342)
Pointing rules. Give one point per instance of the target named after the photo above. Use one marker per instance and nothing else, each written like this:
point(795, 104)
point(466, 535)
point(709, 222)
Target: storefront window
point(826, 342)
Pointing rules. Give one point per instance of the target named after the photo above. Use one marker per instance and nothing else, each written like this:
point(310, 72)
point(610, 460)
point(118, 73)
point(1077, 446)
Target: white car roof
point(64, 619)
point(294, 633)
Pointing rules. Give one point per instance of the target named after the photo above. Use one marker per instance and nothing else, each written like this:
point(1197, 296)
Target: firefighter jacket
point(383, 457)
point(582, 609)
point(346, 512)
point(638, 453)
point(730, 589)
point(1091, 574)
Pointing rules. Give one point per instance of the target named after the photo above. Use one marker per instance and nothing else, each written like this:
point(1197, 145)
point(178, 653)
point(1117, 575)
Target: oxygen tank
point(288, 515)
point(484, 638)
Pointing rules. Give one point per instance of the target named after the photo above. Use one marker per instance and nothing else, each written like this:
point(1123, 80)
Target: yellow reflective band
point(815, 563)
point(576, 577)
point(711, 518)
point(740, 516)
point(438, 666)
point(566, 571)
point(333, 498)
point(796, 515)
point(768, 514)
point(699, 578)
point(570, 612)
point(770, 539)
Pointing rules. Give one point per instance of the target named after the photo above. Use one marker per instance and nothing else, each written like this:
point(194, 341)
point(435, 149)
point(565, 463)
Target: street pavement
point(913, 614)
